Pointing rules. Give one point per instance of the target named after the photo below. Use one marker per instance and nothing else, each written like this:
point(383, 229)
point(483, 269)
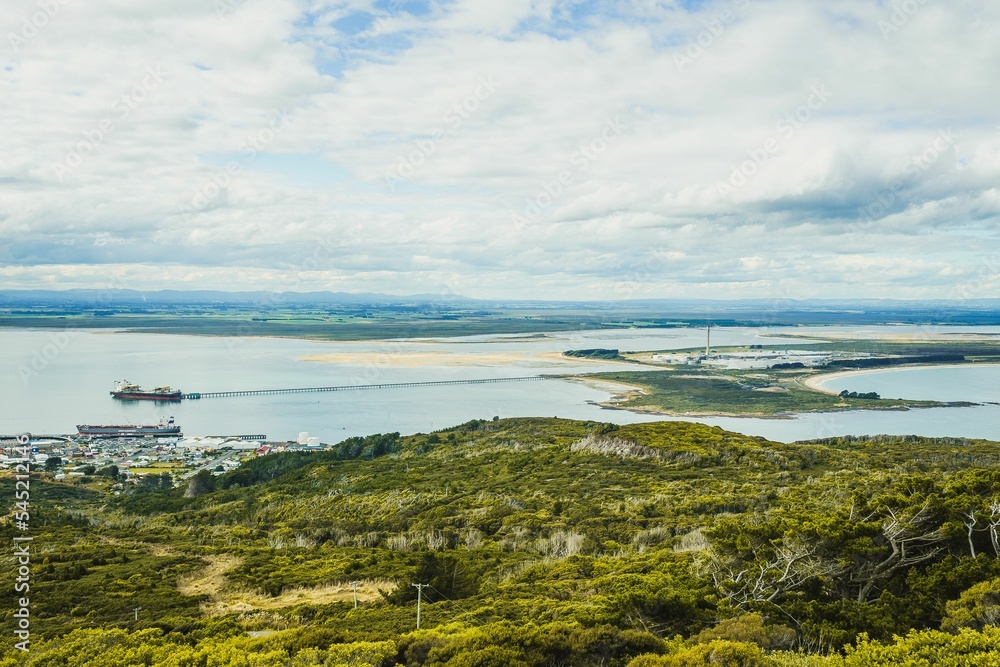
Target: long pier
point(352, 387)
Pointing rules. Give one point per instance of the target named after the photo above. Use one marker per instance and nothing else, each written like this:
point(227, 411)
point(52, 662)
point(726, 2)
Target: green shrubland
point(543, 542)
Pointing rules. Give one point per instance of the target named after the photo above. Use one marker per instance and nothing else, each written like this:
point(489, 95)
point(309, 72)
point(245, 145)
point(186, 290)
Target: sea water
point(52, 381)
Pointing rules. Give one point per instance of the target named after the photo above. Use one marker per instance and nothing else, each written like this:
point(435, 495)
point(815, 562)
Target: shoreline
point(788, 415)
point(815, 382)
point(812, 383)
point(627, 391)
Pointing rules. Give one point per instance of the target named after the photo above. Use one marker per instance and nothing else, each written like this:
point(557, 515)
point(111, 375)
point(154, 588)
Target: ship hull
point(127, 431)
point(147, 396)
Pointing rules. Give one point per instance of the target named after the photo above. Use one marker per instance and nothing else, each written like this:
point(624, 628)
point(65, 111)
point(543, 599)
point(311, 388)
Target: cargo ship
point(165, 427)
point(127, 391)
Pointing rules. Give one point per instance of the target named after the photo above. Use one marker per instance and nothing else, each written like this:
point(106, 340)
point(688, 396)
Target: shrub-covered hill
point(542, 542)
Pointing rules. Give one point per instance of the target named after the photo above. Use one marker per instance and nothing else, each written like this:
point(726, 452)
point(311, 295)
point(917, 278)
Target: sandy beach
point(405, 356)
point(814, 382)
point(619, 390)
point(872, 334)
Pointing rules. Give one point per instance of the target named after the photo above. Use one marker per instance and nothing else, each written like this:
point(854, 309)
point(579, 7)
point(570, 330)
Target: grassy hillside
point(542, 542)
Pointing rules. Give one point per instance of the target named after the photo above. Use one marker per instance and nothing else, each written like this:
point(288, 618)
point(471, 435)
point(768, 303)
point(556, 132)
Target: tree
point(52, 463)
point(748, 628)
point(448, 576)
point(908, 535)
point(109, 471)
point(201, 483)
point(758, 562)
point(717, 652)
point(156, 483)
point(969, 520)
point(994, 523)
point(975, 608)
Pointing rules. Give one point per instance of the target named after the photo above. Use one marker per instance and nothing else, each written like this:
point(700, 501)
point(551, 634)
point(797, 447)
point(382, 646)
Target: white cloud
point(310, 206)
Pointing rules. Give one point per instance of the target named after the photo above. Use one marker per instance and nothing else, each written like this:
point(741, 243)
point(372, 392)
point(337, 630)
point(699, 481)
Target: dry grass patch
point(223, 598)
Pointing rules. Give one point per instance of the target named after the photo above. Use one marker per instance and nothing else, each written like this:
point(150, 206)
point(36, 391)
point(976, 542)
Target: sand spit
point(814, 382)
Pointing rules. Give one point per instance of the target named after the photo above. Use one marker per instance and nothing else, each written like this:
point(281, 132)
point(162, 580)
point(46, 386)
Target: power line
point(445, 596)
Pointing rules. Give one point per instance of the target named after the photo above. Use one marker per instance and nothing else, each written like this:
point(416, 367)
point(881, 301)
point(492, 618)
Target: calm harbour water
point(53, 381)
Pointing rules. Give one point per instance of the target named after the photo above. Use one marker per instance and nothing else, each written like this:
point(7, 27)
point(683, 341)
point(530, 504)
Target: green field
point(318, 328)
point(346, 323)
point(441, 319)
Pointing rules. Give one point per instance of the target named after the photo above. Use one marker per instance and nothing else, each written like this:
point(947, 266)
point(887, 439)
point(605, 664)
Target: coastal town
point(121, 461)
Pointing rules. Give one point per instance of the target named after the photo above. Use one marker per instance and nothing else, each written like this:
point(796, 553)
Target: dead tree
point(969, 521)
point(994, 523)
point(909, 540)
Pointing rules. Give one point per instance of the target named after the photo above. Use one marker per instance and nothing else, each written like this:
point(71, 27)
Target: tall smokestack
point(708, 340)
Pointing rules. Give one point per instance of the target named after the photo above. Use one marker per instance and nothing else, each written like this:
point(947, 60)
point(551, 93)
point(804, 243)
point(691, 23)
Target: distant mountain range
point(119, 297)
point(125, 297)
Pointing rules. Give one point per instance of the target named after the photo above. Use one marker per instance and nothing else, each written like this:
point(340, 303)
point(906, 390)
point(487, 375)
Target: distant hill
point(113, 297)
point(860, 307)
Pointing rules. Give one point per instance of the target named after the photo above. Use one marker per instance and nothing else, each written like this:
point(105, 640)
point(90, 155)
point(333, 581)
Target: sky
point(548, 149)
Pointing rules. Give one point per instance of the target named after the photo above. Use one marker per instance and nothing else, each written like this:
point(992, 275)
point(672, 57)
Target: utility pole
point(354, 585)
point(420, 589)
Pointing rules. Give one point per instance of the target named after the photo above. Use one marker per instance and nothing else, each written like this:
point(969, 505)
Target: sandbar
point(403, 356)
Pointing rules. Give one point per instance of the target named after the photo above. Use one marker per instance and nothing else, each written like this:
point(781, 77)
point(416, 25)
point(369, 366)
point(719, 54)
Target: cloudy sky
point(514, 148)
